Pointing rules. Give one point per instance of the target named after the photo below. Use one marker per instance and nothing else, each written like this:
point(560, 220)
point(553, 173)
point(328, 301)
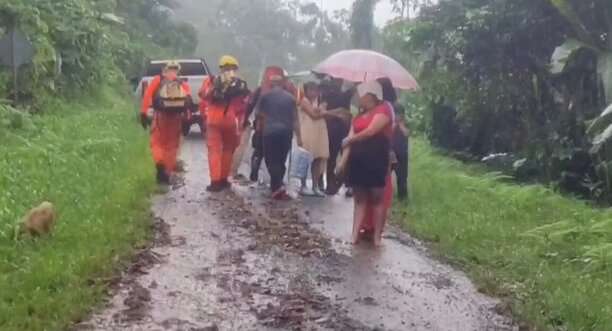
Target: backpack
point(170, 96)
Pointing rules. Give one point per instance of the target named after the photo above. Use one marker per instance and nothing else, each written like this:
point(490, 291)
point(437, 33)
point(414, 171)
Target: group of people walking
point(359, 151)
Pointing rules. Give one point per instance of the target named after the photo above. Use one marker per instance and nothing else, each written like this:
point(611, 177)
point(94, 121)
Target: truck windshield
point(187, 69)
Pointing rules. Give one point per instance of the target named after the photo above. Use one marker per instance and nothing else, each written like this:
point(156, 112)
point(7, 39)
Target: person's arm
point(310, 110)
point(401, 125)
point(333, 112)
point(260, 112)
point(147, 99)
point(339, 113)
point(351, 133)
point(378, 124)
point(296, 126)
point(207, 89)
point(203, 88)
point(252, 103)
point(344, 157)
point(187, 89)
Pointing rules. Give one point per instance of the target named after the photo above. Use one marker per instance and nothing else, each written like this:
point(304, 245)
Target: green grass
point(547, 254)
point(91, 160)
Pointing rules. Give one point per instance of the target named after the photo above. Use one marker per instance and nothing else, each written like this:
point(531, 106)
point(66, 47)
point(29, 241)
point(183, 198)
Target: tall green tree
point(362, 23)
point(296, 35)
point(78, 47)
point(496, 74)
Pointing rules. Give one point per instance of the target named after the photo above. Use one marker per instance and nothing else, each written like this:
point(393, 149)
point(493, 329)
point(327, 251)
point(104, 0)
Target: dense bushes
point(91, 160)
point(81, 44)
point(500, 77)
point(549, 256)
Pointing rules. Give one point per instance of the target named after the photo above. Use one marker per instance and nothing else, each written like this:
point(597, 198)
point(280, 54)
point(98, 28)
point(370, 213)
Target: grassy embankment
point(548, 254)
point(91, 160)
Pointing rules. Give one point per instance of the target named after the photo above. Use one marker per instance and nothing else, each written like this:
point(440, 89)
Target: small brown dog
point(39, 221)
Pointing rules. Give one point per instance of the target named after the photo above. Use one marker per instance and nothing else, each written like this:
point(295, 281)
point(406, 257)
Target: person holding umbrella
point(377, 116)
point(368, 146)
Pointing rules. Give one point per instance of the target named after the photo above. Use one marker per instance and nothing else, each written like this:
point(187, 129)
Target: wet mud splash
point(236, 261)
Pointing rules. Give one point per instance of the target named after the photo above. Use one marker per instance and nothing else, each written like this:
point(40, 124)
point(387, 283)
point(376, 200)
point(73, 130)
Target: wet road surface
point(236, 261)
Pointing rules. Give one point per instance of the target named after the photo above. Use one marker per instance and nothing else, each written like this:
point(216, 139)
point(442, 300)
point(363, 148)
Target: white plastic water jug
point(300, 163)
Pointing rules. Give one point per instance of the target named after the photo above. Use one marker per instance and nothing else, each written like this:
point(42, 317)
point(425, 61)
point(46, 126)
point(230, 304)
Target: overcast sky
point(383, 9)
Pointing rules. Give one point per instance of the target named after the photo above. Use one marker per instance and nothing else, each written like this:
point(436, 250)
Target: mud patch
point(143, 261)
point(138, 299)
point(402, 239)
point(439, 281)
point(299, 311)
point(368, 301)
point(137, 304)
point(280, 297)
point(276, 226)
point(237, 261)
point(204, 276)
point(161, 231)
point(178, 324)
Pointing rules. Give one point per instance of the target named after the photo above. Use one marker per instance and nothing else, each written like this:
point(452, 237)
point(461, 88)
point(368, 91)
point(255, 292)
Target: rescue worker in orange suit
point(170, 98)
point(224, 102)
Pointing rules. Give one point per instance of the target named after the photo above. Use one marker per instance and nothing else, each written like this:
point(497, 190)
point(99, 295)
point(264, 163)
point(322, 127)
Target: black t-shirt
point(400, 141)
point(337, 99)
point(279, 109)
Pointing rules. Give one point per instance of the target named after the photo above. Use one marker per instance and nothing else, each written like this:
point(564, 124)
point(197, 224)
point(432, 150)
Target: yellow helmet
point(173, 65)
point(227, 61)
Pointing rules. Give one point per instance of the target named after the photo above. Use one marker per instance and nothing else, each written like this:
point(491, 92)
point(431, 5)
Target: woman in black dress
point(368, 147)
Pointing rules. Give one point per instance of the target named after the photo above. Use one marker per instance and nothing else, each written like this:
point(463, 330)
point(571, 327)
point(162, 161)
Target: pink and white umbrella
point(363, 65)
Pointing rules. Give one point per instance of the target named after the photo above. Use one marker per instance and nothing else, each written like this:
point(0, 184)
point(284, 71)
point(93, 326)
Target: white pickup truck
point(194, 71)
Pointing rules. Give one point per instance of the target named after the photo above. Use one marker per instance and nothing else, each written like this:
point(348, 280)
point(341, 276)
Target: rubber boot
point(215, 187)
point(225, 184)
point(162, 175)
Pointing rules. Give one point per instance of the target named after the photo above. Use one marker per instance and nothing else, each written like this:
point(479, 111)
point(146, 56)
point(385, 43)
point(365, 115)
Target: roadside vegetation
point(73, 140)
point(521, 92)
point(524, 96)
point(92, 162)
point(547, 255)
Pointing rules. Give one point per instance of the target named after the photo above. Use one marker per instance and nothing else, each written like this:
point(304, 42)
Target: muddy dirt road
point(235, 261)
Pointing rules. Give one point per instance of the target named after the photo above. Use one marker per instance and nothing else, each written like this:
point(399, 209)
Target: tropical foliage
point(362, 23)
point(299, 35)
point(81, 44)
point(524, 78)
point(547, 256)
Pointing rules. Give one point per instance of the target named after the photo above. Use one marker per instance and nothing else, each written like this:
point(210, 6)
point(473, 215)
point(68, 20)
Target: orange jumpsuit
point(222, 130)
point(165, 130)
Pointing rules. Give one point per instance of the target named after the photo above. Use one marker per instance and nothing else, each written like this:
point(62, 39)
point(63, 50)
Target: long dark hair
point(310, 86)
point(388, 90)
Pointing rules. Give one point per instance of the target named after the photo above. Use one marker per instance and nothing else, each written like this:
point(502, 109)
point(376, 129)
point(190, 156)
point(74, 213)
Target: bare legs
point(318, 168)
point(368, 199)
point(378, 213)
